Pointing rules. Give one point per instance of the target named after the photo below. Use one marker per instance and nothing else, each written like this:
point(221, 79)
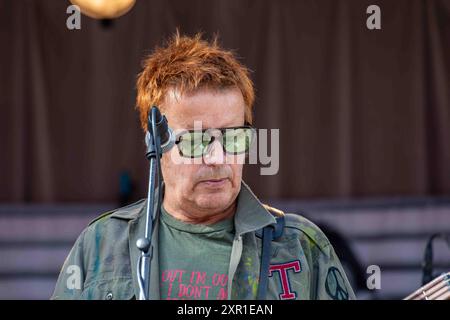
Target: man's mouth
point(214, 183)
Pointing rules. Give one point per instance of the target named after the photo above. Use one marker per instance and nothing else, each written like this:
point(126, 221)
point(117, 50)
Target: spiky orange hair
point(189, 63)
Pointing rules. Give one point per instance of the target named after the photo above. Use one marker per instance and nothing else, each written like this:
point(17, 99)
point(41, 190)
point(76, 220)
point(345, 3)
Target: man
point(208, 241)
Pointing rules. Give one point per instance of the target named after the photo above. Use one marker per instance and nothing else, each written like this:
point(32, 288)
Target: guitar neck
point(438, 289)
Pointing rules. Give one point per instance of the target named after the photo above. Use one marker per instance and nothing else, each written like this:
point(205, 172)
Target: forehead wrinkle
point(175, 99)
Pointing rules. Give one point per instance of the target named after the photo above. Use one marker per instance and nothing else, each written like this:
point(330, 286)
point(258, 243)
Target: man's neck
point(200, 216)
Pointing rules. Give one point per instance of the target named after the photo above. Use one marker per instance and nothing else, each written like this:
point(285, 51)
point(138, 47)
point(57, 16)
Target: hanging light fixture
point(104, 9)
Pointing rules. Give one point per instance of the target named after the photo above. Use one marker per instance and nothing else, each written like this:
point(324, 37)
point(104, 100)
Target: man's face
point(211, 184)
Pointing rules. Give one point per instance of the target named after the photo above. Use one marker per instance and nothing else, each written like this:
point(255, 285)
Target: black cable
point(427, 264)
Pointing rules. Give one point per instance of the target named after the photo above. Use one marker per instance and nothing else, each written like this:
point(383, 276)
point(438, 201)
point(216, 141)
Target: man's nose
point(215, 154)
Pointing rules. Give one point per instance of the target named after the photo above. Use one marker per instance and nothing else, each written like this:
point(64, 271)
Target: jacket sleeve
point(70, 281)
point(331, 280)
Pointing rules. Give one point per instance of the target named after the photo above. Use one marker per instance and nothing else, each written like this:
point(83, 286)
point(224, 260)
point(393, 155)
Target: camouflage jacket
point(103, 262)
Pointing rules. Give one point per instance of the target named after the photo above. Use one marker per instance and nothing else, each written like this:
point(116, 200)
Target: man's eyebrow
point(190, 128)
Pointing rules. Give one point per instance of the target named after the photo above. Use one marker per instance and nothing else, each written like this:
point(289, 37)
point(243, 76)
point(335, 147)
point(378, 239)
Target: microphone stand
point(154, 152)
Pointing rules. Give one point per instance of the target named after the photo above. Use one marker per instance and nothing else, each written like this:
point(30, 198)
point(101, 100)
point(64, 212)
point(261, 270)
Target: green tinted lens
point(238, 140)
point(193, 144)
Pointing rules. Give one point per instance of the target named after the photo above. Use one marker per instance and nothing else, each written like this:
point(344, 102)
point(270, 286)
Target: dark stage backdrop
point(360, 112)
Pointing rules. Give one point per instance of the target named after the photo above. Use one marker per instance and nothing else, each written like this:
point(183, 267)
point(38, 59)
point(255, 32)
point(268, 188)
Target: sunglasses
point(197, 143)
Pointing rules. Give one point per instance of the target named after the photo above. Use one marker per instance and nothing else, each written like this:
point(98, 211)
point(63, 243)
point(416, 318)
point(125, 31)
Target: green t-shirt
point(194, 258)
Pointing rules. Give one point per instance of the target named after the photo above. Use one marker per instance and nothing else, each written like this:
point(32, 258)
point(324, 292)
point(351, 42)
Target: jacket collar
point(250, 213)
point(131, 211)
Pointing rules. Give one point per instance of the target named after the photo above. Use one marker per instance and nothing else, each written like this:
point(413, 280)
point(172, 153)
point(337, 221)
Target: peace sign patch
point(335, 285)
